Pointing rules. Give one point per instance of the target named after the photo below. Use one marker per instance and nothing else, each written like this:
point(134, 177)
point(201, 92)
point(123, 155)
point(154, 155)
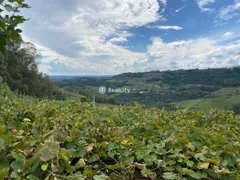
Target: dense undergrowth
point(72, 140)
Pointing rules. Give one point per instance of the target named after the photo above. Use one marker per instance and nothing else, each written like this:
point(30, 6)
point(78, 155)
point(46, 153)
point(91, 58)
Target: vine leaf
point(169, 176)
point(49, 151)
point(100, 177)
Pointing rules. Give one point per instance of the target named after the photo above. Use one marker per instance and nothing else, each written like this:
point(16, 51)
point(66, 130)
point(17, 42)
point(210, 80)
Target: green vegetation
point(46, 139)
point(9, 30)
point(19, 59)
point(198, 89)
point(221, 101)
point(51, 139)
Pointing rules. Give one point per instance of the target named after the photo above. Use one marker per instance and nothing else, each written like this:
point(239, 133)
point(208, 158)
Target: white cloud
point(230, 11)
point(167, 27)
point(118, 40)
point(228, 34)
point(198, 53)
point(190, 54)
point(179, 9)
point(164, 2)
point(203, 3)
point(80, 34)
point(92, 62)
point(81, 38)
point(44, 68)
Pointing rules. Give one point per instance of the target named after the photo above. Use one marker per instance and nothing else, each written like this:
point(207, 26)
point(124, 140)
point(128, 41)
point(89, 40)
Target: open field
point(219, 103)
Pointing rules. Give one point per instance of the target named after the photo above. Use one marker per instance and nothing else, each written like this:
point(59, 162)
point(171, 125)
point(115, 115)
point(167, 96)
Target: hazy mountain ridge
point(159, 88)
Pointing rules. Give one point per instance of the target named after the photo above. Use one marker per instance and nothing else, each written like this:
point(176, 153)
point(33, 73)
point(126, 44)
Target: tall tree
point(9, 31)
point(22, 71)
point(19, 59)
point(9, 21)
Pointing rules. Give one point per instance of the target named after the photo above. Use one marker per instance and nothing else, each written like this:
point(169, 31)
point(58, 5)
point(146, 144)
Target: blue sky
point(106, 37)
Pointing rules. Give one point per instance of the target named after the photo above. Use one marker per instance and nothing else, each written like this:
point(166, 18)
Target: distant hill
point(161, 88)
point(220, 76)
point(74, 77)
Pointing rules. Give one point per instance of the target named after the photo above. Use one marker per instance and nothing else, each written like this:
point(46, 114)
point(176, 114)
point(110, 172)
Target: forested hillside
point(164, 89)
point(214, 77)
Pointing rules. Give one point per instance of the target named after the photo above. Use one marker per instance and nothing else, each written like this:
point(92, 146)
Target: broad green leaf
point(76, 176)
point(26, 120)
point(68, 167)
point(17, 1)
point(200, 156)
point(221, 171)
point(4, 163)
point(14, 36)
point(3, 172)
point(81, 162)
point(44, 167)
point(32, 177)
point(187, 171)
point(49, 150)
point(32, 143)
point(169, 176)
point(17, 165)
point(89, 148)
point(23, 5)
point(18, 156)
point(197, 176)
point(190, 163)
point(204, 166)
point(18, 20)
point(190, 146)
point(46, 154)
point(92, 159)
point(8, 7)
point(100, 177)
point(15, 175)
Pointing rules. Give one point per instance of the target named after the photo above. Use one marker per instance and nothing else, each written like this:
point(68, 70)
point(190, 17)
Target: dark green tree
point(9, 21)
point(18, 59)
point(236, 108)
point(22, 71)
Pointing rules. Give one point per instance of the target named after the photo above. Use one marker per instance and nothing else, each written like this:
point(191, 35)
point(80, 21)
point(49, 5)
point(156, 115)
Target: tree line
point(19, 59)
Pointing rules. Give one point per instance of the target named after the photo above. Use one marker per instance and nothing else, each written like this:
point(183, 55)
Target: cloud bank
point(230, 11)
point(167, 27)
point(88, 38)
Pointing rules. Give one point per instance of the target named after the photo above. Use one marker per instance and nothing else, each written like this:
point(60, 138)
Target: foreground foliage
point(74, 140)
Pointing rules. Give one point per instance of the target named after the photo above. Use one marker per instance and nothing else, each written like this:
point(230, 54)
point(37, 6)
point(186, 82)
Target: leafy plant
point(74, 140)
point(9, 23)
